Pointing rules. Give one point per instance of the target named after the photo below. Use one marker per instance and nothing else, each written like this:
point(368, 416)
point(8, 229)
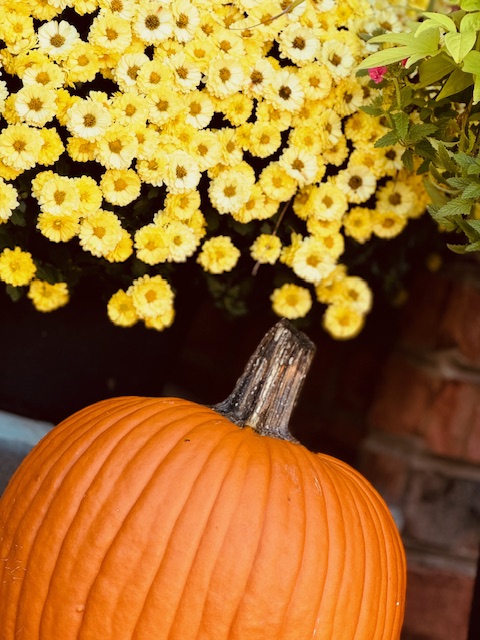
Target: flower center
point(57, 40)
point(120, 184)
point(59, 197)
point(89, 120)
point(182, 21)
point(111, 34)
point(152, 22)
point(19, 145)
point(299, 43)
point(43, 77)
point(229, 191)
point(35, 104)
point(115, 146)
point(225, 74)
point(195, 109)
point(355, 182)
point(285, 93)
point(180, 172)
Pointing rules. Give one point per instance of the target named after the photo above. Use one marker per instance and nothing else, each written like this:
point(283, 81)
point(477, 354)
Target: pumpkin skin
point(159, 519)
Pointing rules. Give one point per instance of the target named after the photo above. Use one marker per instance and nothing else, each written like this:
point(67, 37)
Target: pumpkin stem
point(266, 392)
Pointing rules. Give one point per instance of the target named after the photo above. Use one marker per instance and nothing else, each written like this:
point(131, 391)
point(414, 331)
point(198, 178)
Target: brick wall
point(423, 448)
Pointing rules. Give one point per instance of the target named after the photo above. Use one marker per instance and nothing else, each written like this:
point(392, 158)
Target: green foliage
point(429, 101)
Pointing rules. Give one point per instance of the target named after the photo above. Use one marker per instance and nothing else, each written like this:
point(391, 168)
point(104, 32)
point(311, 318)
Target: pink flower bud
point(377, 73)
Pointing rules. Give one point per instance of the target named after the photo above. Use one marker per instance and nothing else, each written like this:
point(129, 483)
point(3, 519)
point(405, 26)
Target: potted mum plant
point(152, 153)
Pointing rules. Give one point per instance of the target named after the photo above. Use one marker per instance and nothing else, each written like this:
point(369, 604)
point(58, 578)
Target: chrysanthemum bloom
point(151, 295)
point(58, 226)
point(266, 248)
point(153, 171)
point(291, 301)
point(218, 255)
point(342, 321)
point(109, 32)
point(88, 119)
point(129, 109)
point(262, 139)
point(153, 23)
point(89, 193)
point(181, 241)
point(117, 147)
point(48, 297)
point(48, 74)
point(354, 292)
point(395, 196)
point(100, 232)
point(301, 165)
point(150, 244)
point(299, 44)
point(20, 146)
point(357, 182)
point(161, 322)
point(81, 149)
point(82, 63)
point(57, 39)
point(311, 261)
point(58, 194)
point(387, 224)
point(277, 183)
point(16, 267)
point(258, 77)
point(186, 19)
point(326, 202)
point(122, 250)
point(229, 191)
point(122, 8)
point(121, 310)
point(285, 91)
point(120, 186)
point(182, 173)
point(8, 200)
point(18, 32)
point(163, 104)
point(52, 147)
point(338, 58)
point(225, 76)
point(316, 81)
point(358, 224)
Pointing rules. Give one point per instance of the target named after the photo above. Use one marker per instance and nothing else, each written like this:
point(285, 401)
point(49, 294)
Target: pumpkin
point(160, 519)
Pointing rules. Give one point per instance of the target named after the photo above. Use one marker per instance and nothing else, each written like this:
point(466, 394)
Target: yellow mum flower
point(353, 292)
point(129, 109)
point(88, 119)
point(121, 310)
point(120, 186)
point(326, 202)
point(58, 226)
point(163, 104)
point(81, 149)
point(357, 182)
point(181, 241)
point(161, 322)
point(266, 248)
point(57, 39)
point(276, 183)
point(298, 43)
point(52, 147)
point(35, 105)
point(8, 200)
point(81, 64)
point(397, 197)
point(285, 91)
point(225, 76)
point(46, 73)
point(300, 164)
point(358, 224)
point(229, 191)
point(20, 146)
point(16, 267)
point(48, 297)
point(108, 32)
point(57, 194)
point(152, 296)
point(291, 301)
point(116, 149)
point(153, 22)
point(218, 255)
point(186, 19)
point(100, 232)
point(311, 262)
point(387, 224)
point(342, 321)
point(263, 139)
point(123, 249)
point(89, 193)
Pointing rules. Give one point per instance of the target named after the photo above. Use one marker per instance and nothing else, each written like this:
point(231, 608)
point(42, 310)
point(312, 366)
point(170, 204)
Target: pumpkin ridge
point(30, 515)
point(306, 468)
point(148, 423)
point(279, 452)
point(116, 542)
point(240, 438)
point(385, 523)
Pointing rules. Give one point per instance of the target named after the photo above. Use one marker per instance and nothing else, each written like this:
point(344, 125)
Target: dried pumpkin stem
point(267, 391)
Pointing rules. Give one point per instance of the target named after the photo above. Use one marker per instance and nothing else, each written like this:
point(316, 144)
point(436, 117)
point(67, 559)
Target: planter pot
point(56, 363)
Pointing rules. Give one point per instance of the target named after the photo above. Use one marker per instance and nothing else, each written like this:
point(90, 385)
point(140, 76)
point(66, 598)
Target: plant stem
point(266, 393)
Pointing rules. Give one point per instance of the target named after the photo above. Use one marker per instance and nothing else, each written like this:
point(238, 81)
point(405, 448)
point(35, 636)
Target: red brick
point(438, 604)
point(403, 398)
point(452, 419)
point(386, 471)
point(460, 323)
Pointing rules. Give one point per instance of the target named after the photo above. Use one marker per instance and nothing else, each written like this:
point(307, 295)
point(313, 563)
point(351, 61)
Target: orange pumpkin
point(160, 519)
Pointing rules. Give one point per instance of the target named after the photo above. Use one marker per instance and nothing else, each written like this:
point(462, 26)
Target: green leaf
point(435, 69)
point(424, 149)
point(459, 44)
point(14, 293)
point(465, 161)
point(438, 19)
point(406, 94)
point(458, 81)
point(470, 22)
point(385, 57)
point(457, 206)
point(470, 5)
point(469, 230)
point(419, 131)
point(388, 140)
point(473, 246)
point(446, 159)
point(457, 248)
point(372, 109)
point(458, 183)
point(407, 159)
point(413, 48)
point(401, 121)
point(471, 191)
point(471, 63)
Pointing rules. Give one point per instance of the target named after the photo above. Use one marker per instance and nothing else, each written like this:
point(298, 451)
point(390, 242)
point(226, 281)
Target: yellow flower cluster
point(257, 100)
